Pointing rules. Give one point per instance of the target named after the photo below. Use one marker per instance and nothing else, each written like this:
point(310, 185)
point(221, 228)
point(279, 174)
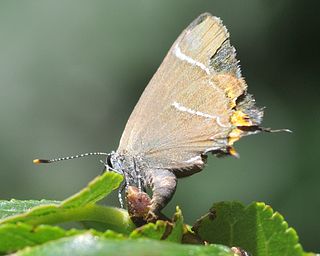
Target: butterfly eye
point(109, 163)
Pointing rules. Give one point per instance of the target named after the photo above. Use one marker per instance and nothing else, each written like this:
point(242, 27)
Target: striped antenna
point(46, 161)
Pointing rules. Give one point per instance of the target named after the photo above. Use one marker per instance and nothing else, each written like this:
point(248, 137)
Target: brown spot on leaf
point(138, 203)
point(212, 215)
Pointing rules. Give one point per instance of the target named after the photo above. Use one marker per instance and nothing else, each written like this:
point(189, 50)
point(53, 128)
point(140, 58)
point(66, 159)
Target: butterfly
point(195, 104)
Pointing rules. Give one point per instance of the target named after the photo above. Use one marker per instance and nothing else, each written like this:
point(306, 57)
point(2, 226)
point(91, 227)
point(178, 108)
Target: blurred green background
point(72, 71)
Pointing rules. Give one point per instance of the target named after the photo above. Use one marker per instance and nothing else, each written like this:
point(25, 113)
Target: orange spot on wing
point(239, 118)
point(233, 152)
point(234, 135)
point(233, 86)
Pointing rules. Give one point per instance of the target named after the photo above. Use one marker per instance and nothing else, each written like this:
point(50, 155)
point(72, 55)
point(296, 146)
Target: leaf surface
point(256, 228)
point(79, 207)
point(88, 244)
point(14, 207)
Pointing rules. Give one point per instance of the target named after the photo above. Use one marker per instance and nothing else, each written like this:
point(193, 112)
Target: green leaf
point(150, 230)
point(14, 207)
point(110, 234)
point(256, 228)
point(96, 190)
point(17, 236)
point(112, 218)
point(178, 226)
point(20, 235)
point(88, 244)
point(81, 207)
point(162, 230)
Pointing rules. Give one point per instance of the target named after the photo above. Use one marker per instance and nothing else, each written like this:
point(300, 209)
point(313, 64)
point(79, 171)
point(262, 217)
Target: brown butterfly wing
point(189, 107)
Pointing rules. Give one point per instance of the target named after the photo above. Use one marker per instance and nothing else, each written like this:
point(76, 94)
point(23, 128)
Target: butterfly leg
point(163, 184)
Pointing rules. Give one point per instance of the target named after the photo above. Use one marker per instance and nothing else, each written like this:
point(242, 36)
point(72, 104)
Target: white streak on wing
point(191, 111)
point(181, 108)
point(177, 51)
point(193, 159)
point(212, 85)
point(211, 149)
point(179, 54)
